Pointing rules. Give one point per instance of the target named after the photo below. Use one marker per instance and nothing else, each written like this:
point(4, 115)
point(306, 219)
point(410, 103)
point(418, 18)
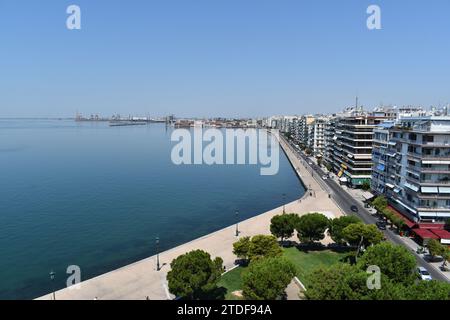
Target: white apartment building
point(414, 172)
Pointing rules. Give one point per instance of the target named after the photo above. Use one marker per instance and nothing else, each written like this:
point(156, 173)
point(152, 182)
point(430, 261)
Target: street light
point(237, 223)
point(157, 254)
point(284, 203)
point(52, 278)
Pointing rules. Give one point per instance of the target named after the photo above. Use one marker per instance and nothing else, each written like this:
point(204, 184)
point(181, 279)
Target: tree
point(267, 279)
point(262, 246)
point(194, 275)
point(311, 227)
point(359, 234)
point(447, 224)
point(308, 151)
point(434, 248)
point(336, 226)
point(283, 226)
point(365, 185)
point(437, 249)
point(445, 254)
point(349, 282)
point(380, 203)
point(399, 223)
point(394, 261)
point(241, 248)
point(346, 282)
point(428, 290)
point(319, 161)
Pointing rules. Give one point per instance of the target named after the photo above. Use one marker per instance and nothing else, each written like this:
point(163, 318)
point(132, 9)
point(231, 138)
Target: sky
point(220, 58)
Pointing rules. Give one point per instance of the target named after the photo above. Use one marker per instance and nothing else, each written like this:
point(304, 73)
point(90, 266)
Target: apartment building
point(352, 158)
point(414, 171)
point(318, 140)
point(329, 137)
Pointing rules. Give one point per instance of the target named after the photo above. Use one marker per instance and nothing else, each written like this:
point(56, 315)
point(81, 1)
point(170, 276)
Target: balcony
point(435, 170)
point(432, 207)
point(435, 182)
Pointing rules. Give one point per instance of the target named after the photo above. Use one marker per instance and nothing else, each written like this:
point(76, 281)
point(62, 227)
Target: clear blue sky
point(220, 57)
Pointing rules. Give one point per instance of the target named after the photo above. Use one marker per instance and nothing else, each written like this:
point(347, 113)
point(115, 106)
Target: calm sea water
point(96, 196)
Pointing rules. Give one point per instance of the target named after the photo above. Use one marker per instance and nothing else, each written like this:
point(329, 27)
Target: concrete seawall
point(141, 280)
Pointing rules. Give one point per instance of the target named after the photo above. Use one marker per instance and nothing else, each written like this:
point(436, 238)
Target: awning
point(390, 185)
point(429, 190)
point(444, 235)
point(411, 186)
point(434, 214)
point(407, 207)
point(391, 154)
point(444, 190)
point(425, 225)
point(381, 167)
point(408, 222)
point(367, 195)
point(435, 162)
point(397, 190)
point(425, 234)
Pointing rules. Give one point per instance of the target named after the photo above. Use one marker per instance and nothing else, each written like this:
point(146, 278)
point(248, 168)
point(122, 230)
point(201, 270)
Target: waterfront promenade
point(141, 279)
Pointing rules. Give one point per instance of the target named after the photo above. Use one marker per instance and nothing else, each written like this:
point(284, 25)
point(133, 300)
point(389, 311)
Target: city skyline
point(220, 59)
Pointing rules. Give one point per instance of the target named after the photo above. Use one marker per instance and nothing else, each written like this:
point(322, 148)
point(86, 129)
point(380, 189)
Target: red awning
point(424, 225)
point(425, 234)
point(408, 222)
point(442, 234)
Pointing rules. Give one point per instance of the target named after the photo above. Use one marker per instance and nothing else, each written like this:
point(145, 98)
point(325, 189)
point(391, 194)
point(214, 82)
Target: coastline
point(140, 280)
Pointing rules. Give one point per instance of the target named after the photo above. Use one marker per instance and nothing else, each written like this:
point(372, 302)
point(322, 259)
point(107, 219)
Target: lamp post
point(284, 203)
point(237, 223)
point(52, 278)
point(157, 254)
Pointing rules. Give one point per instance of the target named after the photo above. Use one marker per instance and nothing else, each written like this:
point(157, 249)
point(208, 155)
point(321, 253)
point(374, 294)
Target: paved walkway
point(141, 280)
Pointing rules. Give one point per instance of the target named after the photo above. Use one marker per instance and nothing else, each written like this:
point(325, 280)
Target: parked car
point(423, 274)
point(354, 208)
point(325, 177)
point(381, 225)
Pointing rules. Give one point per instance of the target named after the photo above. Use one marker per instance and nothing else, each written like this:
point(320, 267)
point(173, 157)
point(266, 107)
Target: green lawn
point(232, 281)
point(306, 262)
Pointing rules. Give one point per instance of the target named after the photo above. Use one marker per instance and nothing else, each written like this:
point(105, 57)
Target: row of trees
point(310, 227)
point(345, 230)
point(381, 204)
point(350, 281)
